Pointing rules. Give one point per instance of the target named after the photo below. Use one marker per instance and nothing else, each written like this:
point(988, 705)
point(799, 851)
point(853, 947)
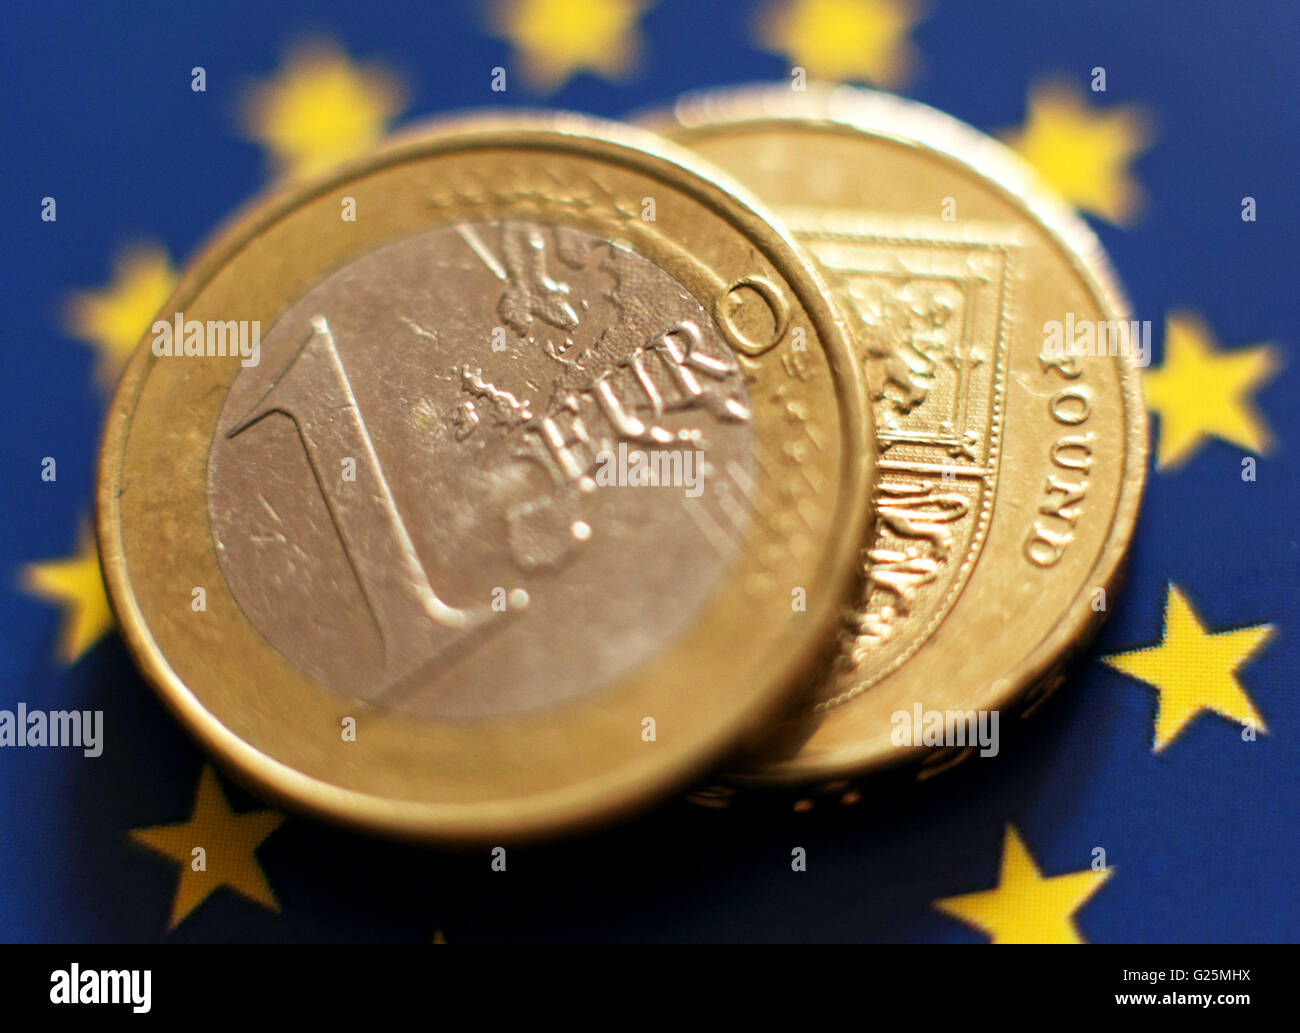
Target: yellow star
point(1200, 391)
point(320, 109)
point(228, 842)
point(1083, 152)
point(554, 39)
point(114, 318)
point(1026, 907)
point(75, 585)
point(1194, 670)
point(842, 39)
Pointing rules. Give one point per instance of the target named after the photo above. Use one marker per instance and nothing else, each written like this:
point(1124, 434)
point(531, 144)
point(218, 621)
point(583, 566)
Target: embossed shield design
point(926, 303)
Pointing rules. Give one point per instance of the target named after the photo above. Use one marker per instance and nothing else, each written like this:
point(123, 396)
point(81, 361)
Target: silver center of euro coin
point(482, 470)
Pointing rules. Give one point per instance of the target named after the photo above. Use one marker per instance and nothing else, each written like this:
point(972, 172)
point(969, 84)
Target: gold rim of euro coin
point(385, 574)
point(1010, 469)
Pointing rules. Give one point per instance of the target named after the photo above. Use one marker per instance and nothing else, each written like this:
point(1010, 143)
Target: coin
point(544, 483)
point(1010, 467)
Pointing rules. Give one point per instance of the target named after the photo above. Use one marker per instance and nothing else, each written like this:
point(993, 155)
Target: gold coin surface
point(1012, 455)
point(497, 483)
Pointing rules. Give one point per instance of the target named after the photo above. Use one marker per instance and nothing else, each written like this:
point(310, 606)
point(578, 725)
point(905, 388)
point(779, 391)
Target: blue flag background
point(1198, 821)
